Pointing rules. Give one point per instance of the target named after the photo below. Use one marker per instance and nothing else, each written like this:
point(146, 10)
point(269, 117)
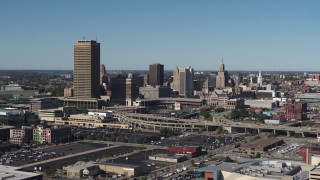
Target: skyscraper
point(123, 90)
point(183, 81)
point(260, 79)
point(222, 77)
point(86, 73)
point(102, 74)
point(156, 74)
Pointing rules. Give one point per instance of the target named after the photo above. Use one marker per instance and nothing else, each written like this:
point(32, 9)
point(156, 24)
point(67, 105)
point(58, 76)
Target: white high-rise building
point(260, 79)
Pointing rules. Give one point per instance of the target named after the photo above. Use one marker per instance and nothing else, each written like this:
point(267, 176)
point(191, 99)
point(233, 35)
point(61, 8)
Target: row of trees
point(243, 113)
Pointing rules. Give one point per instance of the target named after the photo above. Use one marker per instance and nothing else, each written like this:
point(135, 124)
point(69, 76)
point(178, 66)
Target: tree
point(262, 117)
point(84, 110)
point(192, 162)
point(219, 130)
point(50, 172)
point(258, 155)
point(271, 135)
point(228, 159)
point(205, 113)
point(200, 132)
point(237, 113)
point(58, 91)
point(165, 132)
point(219, 110)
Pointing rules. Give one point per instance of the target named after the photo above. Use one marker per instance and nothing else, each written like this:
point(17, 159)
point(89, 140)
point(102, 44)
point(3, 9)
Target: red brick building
point(295, 111)
point(189, 151)
point(314, 76)
point(307, 152)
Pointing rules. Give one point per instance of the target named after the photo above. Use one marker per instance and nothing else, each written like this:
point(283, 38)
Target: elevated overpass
point(151, 122)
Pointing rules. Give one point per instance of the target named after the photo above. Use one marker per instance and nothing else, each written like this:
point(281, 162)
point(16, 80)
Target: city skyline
point(249, 35)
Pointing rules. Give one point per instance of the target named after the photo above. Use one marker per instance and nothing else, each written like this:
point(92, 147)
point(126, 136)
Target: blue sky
point(249, 34)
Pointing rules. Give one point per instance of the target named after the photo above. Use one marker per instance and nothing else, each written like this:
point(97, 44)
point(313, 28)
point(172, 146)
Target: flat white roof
point(12, 173)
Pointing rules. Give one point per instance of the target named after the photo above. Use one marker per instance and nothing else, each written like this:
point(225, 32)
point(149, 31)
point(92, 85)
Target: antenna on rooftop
point(84, 38)
point(222, 57)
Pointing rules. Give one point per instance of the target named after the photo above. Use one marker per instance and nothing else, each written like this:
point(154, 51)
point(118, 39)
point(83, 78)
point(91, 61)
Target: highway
point(151, 122)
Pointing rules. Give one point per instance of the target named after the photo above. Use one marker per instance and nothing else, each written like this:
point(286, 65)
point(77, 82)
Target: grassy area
point(222, 158)
point(307, 123)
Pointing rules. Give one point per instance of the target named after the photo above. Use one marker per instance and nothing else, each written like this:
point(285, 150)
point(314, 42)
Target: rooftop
point(261, 143)
point(229, 167)
point(174, 99)
point(317, 169)
point(131, 165)
point(6, 127)
point(12, 173)
point(166, 155)
point(82, 165)
point(261, 167)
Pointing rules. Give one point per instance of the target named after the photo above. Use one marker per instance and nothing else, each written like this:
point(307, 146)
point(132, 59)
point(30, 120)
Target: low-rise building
point(45, 103)
point(267, 104)
point(315, 159)
point(20, 136)
point(192, 151)
point(54, 134)
point(217, 98)
point(50, 115)
point(266, 94)
point(87, 103)
point(295, 111)
point(150, 92)
point(310, 152)
point(168, 158)
point(68, 92)
point(260, 146)
point(234, 104)
point(129, 170)
point(12, 116)
point(5, 133)
point(14, 173)
point(314, 174)
point(107, 114)
point(86, 120)
point(256, 169)
point(275, 121)
point(82, 170)
point(15, 89)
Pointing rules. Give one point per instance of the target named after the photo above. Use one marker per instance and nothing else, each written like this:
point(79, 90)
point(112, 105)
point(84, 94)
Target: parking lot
point(288, 149)
point(206, 142)
point(114, 134)
point(27, 156)
point(188, 175)
point(24, 157)
point(143, 158)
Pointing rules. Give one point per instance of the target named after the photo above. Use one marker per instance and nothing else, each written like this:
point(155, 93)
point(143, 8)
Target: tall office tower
point(206, 85)
point(103, 76)
point(156, 74)
point(260, 79)
point(253, 79)
point(86, 73)
point(123, 90)
point(222, 77)
point(183, 81)
point(237, 79)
